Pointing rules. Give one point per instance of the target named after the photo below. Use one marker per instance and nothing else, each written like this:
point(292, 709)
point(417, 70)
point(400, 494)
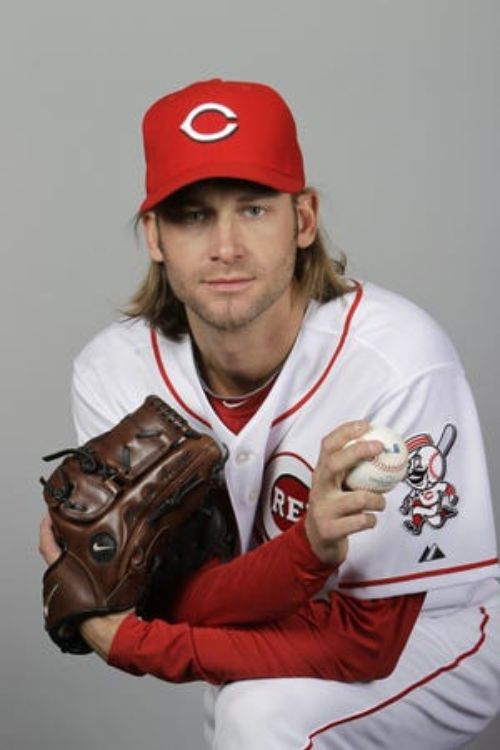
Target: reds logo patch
point(289, 498)
point(432, 499)
point(285, 493)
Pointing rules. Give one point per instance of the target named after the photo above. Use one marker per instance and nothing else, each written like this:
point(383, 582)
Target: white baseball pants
point(444, 691)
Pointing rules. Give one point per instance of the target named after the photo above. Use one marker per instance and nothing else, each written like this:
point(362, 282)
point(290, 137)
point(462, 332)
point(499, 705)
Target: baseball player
point(349, 620)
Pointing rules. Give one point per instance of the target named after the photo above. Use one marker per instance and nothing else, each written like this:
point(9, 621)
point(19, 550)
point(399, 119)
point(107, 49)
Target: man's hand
point(334, 513)
point(97, 631)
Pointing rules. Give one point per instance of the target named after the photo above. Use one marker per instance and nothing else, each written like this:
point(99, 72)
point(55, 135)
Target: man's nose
point(226, 241)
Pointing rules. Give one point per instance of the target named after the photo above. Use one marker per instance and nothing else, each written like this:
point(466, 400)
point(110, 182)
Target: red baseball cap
point(220, 129)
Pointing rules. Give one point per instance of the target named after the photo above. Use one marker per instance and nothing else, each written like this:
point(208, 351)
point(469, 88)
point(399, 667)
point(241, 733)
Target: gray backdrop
point(398, 105)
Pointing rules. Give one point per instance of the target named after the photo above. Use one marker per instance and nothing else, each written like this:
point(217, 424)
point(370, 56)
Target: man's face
point(229, 250)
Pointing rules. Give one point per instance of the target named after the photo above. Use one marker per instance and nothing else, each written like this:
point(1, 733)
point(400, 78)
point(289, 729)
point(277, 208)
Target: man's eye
point(255, 211)
point(194, 216)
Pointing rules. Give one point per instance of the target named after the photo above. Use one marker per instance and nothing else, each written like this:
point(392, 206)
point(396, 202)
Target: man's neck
point(234, 363)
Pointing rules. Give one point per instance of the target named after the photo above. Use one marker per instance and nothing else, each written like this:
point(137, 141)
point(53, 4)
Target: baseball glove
point(132, 509)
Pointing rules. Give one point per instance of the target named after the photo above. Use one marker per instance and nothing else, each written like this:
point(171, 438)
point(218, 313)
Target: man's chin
point(227, 320)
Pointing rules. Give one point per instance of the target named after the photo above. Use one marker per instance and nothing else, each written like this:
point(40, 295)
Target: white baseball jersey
point(370, 354)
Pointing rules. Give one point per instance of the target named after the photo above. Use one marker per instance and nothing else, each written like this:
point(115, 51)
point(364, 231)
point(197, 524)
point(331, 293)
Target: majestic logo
point(431, 553)
point(431, 499)
point(188, 126)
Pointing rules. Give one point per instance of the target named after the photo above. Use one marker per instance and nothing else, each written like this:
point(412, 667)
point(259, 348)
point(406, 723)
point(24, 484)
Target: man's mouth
point(228, 284)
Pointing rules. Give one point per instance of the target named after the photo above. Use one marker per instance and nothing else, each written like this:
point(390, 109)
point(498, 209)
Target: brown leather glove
point(133, 509)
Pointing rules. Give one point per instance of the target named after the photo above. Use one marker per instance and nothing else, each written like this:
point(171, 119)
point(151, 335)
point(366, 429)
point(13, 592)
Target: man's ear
point(151, 236)
point(307, 206)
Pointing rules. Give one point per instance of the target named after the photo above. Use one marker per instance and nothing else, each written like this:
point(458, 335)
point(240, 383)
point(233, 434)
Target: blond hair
point(319, 276)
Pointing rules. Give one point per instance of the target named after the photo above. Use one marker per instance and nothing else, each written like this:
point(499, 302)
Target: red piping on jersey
point(168, 382)
point(292, 409)
point(412, 576)
point(291, 455)
point(338, 349)
point(395, 698)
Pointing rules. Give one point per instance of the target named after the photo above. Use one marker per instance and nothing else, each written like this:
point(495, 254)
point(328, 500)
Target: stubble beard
point(233, 314)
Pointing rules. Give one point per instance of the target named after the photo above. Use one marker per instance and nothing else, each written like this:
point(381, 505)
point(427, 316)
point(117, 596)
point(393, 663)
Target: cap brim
point(251, 172)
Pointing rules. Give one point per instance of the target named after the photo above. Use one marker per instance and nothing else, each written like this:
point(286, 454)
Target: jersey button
point(242, 457)
point(253, 496)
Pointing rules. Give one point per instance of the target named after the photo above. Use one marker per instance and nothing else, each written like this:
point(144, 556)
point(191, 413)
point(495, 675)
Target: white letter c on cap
point(228, 129)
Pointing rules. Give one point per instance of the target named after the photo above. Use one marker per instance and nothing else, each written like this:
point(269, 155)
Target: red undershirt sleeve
point(209, 635)
point(341, 638)
point(263, 585)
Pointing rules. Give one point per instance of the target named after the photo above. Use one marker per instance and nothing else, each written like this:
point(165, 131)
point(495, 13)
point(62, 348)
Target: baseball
point(382, 473)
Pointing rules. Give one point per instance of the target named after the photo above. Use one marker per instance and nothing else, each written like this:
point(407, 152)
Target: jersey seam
point(361, 342)
point(411, 382)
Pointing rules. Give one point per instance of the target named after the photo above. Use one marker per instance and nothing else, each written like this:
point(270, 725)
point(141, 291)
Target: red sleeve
point(263, 585)
point(341, 638)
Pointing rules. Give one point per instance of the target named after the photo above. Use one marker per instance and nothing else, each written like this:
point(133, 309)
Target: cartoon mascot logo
point(431, 499)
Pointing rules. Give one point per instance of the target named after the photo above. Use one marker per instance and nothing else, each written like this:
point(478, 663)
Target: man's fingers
point(342, 448)
point(352, 503)
point(343, 527)
point(339, 462)
point(336, 439)
point(333, 513)
point(329, 538)
point(47, 545)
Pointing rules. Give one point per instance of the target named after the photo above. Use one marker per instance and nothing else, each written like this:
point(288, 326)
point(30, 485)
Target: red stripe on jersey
point(293, 455)
point(326, 371)
point(399, 696)
point(413, 576)
point(295, 407)
point(168, 382)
